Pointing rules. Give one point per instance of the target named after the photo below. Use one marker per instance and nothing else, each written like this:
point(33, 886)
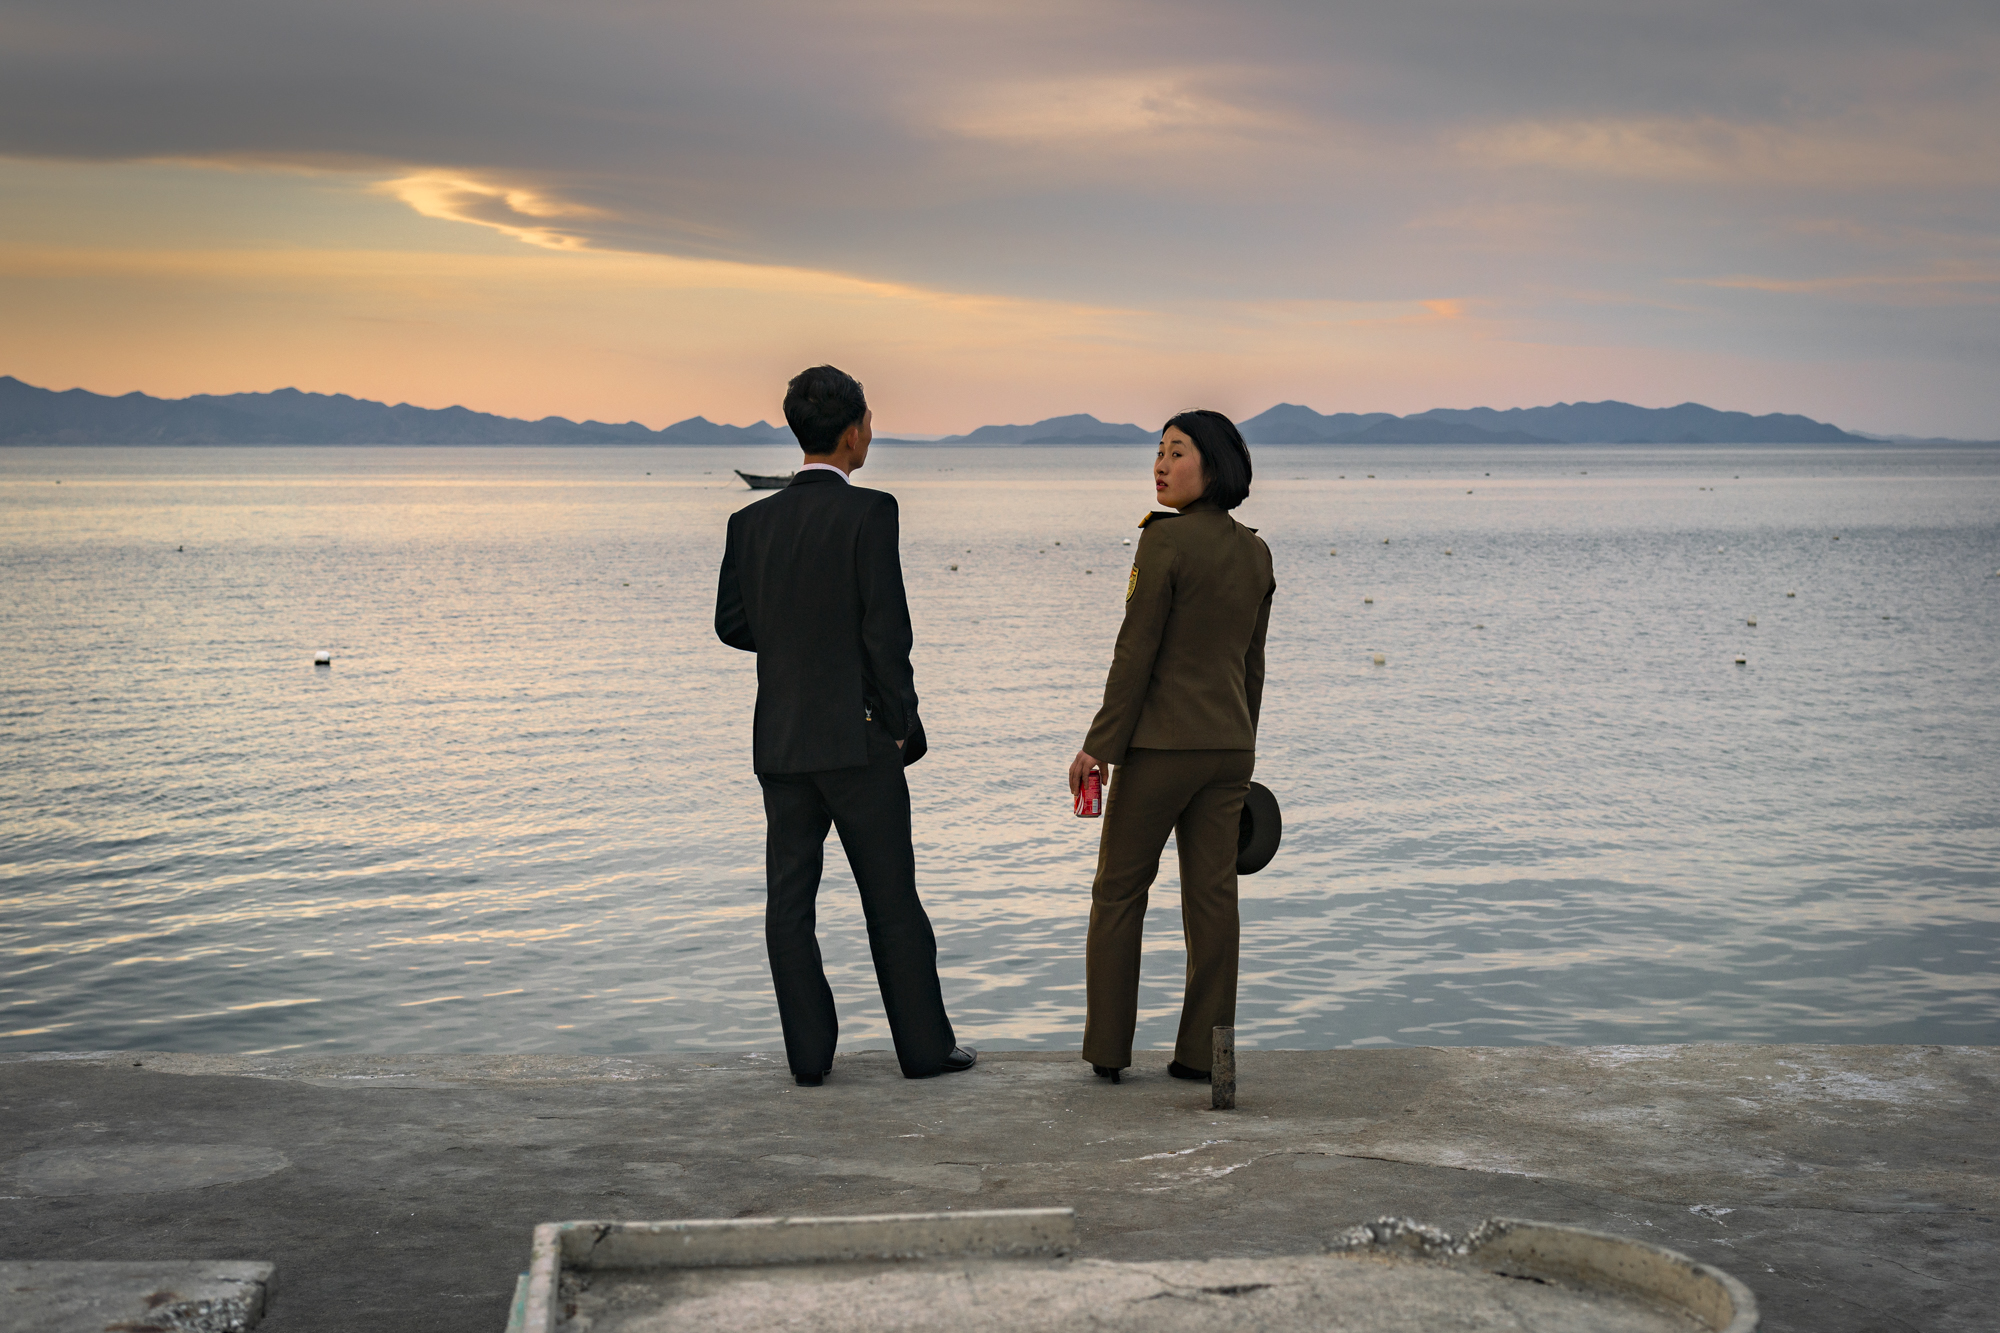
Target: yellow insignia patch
point(1132, 584)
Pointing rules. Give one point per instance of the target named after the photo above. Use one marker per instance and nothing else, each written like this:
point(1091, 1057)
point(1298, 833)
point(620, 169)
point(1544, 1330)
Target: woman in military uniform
point(1178, 729)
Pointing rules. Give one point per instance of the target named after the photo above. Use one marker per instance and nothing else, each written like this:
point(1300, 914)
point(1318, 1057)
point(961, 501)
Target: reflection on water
point(517, 812)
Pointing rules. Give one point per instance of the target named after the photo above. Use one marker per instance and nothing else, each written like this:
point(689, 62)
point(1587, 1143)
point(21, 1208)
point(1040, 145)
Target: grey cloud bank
point(1812, 182)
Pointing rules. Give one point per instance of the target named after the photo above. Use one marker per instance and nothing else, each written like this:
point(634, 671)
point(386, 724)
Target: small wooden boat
point(757, 483)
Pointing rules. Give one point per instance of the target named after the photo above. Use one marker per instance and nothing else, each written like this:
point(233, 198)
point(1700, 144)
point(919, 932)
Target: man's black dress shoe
point(961, 1059)
point(1103, 1072)
point(1179, 1070)
point(812, 1080)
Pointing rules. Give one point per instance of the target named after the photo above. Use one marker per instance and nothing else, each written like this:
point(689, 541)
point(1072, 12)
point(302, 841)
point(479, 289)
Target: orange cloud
point(524, 214)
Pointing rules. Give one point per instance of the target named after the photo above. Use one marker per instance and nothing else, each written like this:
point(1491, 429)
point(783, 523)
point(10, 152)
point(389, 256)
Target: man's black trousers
point(870, 807)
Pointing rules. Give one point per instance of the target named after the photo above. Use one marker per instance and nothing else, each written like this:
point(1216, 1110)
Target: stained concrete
point(1299, 1294)
point(1853, 1188)
point(91, 1296)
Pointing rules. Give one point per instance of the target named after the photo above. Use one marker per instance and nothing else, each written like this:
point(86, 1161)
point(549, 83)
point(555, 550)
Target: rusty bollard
point(1222, 1073)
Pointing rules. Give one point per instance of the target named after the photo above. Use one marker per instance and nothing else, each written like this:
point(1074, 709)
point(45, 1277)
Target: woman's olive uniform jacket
point(1188, 673)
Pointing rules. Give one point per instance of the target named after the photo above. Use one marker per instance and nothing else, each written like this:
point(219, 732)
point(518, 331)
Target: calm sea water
point(517, 812)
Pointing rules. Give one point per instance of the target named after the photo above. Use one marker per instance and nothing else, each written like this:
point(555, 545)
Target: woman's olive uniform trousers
point(1197, 795)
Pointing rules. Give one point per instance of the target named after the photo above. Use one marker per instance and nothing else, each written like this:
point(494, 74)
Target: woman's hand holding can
point(1086, 786)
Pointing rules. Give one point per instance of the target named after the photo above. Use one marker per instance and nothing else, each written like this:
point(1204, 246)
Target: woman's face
point(1177, 478)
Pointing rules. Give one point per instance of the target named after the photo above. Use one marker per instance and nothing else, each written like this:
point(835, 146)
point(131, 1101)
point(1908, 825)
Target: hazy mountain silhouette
point(1288, 423)
point(29, 415)
point(1564, 423)
point(1078, 428)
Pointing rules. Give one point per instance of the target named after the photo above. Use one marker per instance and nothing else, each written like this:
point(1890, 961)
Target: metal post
point(1222, 1073)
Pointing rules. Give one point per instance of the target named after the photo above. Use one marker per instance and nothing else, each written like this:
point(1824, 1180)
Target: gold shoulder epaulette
point(1153, 515)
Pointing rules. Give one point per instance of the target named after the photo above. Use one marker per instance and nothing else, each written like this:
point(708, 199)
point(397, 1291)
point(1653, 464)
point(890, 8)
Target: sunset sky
point(1011, 210)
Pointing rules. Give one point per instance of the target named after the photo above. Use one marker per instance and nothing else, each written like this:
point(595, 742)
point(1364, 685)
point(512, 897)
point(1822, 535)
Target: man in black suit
point(812, 584)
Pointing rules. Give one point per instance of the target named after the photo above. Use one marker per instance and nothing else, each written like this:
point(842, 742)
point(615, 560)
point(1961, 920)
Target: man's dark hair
point(820, 404)
point(1225, 459)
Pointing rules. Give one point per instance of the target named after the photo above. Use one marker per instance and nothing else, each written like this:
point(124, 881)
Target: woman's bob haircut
point(1225, 459)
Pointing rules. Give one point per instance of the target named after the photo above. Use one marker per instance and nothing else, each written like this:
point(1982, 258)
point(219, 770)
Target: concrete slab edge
point(704, 1243)
point(1575, 1255)
point(1599, 1258)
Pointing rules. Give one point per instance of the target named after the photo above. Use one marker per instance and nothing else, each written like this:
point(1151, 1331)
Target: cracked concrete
point(1318, 1293)
point(1852, 1188)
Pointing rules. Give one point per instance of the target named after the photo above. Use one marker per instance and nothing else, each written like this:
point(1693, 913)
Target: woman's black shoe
point(1102, 1072)
point(1179, 1070)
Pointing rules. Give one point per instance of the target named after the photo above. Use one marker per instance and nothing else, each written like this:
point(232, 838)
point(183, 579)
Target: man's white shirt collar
point(824, 467)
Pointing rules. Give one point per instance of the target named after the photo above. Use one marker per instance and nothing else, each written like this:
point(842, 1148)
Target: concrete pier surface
point(1853, 1188)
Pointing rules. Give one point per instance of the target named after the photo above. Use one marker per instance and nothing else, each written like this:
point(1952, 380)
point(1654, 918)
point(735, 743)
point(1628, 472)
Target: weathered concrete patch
point(1856, 1128)
point(1323, 1294)
point(1008, 1271)
point(142, 1168)
point(192, 1296)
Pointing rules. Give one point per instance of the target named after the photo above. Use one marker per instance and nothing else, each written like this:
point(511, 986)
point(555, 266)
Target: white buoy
point(1479, 627)
point(1752, 622)
point(1370, 601)
point(322, 659)
point(1385, 541)
point(1333, 550)
point(954, 569)
point(1381, 660)
point(1128, 541)
point(1741, 661)
point(1718, 550)
point(1447, 550)
point(1794, 594)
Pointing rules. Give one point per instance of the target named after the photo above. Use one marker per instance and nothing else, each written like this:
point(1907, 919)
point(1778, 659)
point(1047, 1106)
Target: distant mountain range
point(1564, 423)
point(29, 415)
point(1078, 428)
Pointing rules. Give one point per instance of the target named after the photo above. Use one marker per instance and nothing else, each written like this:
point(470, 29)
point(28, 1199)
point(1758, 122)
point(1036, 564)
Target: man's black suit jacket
point(812, 584)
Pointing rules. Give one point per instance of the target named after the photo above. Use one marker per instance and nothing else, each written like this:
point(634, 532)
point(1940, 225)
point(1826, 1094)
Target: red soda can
point(1090, 795)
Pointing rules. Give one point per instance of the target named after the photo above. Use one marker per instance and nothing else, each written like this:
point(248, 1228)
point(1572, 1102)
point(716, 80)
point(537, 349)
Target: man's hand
point(1078, 767)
